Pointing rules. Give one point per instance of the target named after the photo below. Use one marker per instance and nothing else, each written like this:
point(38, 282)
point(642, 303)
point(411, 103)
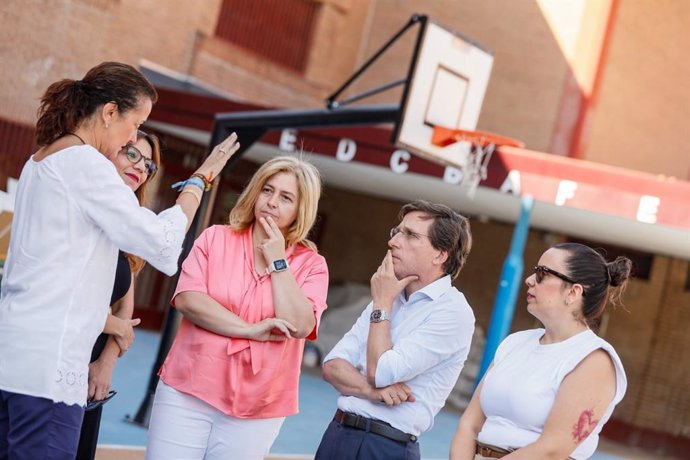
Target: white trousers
point(186, 428)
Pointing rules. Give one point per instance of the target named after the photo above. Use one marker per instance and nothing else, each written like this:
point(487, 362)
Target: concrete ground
point(300, 434)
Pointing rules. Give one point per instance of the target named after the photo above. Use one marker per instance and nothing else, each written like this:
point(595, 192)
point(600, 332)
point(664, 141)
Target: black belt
point(375, 426)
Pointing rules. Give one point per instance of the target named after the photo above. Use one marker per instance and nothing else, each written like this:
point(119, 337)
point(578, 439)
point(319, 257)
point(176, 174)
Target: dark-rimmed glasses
point(93, 404)
point(134, 156)
point(540, 271)
point(407, 233)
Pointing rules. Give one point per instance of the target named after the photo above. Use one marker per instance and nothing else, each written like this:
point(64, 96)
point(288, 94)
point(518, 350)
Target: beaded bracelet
point(207, 181)
point(191, 181)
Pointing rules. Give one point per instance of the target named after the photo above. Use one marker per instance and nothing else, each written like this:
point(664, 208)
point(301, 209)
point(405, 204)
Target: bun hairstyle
point(67, 103)
point(602, 281)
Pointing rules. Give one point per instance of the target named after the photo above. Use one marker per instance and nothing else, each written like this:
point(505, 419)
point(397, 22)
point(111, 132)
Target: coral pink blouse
point(240, 377)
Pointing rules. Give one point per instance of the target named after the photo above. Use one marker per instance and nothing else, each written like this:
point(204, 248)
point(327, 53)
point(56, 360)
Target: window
point(278, 30)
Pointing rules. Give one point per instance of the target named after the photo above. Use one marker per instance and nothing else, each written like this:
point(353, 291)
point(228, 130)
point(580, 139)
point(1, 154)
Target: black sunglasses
point(540, 271)
point(134, 155)
point(93, 404)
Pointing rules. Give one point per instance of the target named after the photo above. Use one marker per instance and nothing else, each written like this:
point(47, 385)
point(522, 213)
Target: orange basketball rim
point(443, 137)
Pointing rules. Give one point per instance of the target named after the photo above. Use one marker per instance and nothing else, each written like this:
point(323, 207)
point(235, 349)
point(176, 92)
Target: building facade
point(602, 81)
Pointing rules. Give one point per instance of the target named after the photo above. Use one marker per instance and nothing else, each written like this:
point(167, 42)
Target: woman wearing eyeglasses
point(72, 214)
point(549, 391)
point(136, 164)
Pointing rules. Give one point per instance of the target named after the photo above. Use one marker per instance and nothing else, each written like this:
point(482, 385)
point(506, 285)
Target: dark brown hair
point(597, 276)
point(67, 103)
point(449, 232)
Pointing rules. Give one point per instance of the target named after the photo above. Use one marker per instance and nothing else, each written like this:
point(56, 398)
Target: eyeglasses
point(134, 155)
point(540, 271)
point(407, 233)
point(91, 405)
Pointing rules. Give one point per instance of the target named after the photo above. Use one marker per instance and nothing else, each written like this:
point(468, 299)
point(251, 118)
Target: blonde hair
point(308, 185)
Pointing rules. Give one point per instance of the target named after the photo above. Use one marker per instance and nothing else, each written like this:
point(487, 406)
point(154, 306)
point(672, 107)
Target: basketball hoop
point(480, 146)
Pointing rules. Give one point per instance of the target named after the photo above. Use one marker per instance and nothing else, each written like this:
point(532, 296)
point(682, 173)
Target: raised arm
point(385, 288)
point(581, 402)
point(289, 300)
point(211, 167)
point(108, 203)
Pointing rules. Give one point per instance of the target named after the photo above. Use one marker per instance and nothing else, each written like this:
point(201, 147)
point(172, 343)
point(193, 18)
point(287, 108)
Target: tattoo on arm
point(584, 426)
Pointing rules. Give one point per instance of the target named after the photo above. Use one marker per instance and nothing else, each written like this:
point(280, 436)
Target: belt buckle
point(485, 451)
point(360, 422)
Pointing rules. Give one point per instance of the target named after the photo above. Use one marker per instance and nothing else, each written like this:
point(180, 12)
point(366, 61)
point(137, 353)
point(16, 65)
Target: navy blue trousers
point(33, 428)
point(341, 442)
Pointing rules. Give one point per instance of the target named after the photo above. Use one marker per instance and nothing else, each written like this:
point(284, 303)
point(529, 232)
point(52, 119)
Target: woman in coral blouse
point(250, 292)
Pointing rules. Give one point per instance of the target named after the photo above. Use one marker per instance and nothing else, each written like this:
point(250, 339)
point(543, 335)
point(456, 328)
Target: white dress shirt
point(72, 213)
point(431, 333)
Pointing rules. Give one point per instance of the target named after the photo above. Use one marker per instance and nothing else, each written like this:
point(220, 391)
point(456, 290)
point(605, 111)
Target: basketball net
point(478, 147)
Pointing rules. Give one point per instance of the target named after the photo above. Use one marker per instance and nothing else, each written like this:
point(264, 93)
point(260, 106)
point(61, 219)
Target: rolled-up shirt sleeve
point(351, 346)
point(444, 332)
point(103, 197)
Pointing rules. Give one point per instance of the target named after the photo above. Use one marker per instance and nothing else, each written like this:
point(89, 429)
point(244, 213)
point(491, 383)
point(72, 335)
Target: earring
point(106, 126)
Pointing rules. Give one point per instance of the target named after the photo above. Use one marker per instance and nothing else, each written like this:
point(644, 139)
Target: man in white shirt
point(397, 365)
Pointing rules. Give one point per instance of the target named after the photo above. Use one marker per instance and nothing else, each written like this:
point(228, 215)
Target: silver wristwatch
point(378, 315)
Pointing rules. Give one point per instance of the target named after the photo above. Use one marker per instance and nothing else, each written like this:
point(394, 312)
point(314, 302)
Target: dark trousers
point(88, 438)
point(340, 442)
point(34, 428)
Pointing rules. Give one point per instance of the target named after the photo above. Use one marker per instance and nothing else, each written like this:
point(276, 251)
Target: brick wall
point(643, 105)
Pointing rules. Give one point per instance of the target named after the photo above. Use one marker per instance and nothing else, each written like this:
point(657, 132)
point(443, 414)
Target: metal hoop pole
point(331, 100)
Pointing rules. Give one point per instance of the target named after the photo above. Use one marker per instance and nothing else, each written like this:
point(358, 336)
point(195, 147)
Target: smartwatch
point(279, 265)
point(378, 315)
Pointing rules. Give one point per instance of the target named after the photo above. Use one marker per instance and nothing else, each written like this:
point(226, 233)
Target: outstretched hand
point(385, 286)
point(271, 330)
point(221, 153)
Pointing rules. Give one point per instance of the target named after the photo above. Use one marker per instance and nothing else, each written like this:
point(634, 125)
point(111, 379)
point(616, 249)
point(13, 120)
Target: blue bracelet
point(191, 181)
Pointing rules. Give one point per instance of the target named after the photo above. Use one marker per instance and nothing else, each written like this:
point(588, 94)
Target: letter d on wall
point(347, 148)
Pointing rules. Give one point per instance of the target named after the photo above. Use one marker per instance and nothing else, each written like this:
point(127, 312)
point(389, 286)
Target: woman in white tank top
point(549, 391)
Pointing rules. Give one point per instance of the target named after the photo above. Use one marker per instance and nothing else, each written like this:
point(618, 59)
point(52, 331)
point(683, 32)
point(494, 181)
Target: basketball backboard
point(447, 87)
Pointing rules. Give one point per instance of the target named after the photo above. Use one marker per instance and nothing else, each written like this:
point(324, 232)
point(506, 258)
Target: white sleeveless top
point(520, 390)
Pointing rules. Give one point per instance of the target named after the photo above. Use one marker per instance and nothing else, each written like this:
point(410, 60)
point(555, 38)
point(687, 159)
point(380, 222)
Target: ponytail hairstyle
point(137, 263)
point(67, 103)
point(602, 281)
